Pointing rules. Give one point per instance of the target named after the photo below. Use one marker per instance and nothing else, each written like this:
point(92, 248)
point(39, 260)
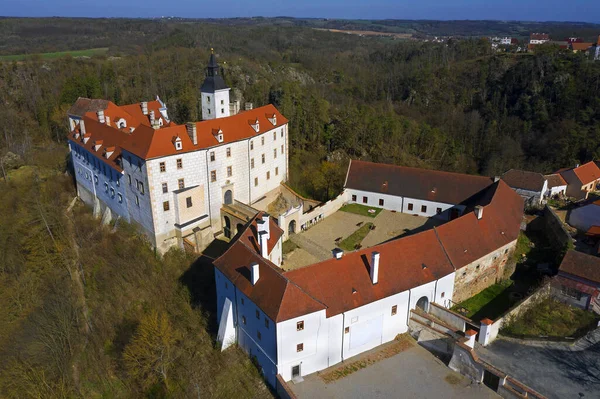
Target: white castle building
point(133, 162)
point(301, 321)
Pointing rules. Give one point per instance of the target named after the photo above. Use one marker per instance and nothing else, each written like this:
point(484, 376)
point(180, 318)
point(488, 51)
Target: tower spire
point(214, 91)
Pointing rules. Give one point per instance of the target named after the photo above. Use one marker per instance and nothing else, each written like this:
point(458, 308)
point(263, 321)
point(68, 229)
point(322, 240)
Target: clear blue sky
point(531, 10)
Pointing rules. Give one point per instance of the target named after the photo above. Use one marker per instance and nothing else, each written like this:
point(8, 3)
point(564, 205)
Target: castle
point(133, 162)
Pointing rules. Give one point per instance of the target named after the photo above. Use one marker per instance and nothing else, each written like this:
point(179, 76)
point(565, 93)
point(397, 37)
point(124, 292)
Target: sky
point(530, 10)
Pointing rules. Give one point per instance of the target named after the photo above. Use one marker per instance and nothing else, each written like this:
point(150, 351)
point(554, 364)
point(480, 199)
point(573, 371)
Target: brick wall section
point(480, 274)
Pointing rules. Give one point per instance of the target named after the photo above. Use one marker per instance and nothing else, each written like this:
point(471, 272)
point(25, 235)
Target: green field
point(76, 53)
point(349, 243)
point(361, 210)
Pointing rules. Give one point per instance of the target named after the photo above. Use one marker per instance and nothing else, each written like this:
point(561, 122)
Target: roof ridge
point(424, 169)
point(444, 248)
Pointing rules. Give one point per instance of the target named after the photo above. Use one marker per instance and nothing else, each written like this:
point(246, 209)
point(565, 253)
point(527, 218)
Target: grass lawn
point(491, 302)
point(349, 243)
point(361, 210)
point(552, 318)
point(288, 247)
point(76, 53)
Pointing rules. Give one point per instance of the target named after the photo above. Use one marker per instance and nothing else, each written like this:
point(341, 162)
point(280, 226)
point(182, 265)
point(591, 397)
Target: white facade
point(324, 341)
point(215, 104)
point(406, 205)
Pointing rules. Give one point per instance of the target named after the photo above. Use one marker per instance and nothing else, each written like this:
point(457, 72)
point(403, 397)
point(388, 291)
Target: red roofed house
point(301, 321)
point(578, 281)
point(133, 162)
point(581, 180)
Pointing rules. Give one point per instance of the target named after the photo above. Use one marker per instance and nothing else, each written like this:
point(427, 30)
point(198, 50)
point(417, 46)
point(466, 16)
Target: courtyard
point(315, 244)
point(413, 372)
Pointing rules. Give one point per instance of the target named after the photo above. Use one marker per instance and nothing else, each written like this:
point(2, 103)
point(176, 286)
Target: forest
point(93, 311)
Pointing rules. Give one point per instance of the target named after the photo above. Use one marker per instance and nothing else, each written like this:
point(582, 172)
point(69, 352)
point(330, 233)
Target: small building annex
point(578, 281)
point(301, 321)
point(530, 185)
point(581, 180)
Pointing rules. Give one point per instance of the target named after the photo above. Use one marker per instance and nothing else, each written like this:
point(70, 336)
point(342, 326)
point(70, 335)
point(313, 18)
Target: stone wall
point(556, 231)
point(485, 271)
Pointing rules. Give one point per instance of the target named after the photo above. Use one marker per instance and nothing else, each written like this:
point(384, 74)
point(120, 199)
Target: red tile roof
point(250, 234)
point(234, 128)
point(555, 180)
point(587, 173)
point(405, 263)
point(345, 284)
point(274, 294)
point(581, 46)
point(581, 265)
point(430, 185)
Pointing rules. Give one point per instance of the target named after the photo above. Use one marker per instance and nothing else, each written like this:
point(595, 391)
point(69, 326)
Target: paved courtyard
point(553, 370)
point(316, 243)
point(414, 373)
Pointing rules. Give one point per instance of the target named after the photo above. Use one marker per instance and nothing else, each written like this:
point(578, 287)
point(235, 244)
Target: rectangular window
point(181, 184)
point(244, 320)
point(165, 188)
point(423, 208)
point(228, 151)
point(299, 347)
point(354, 197)
point(213, 175)
point(262, 140)
point(266, 323)
point(112, 192)
point(276, 171)
point(106, 187)
point(268, 175)
point(380, 201)
point(282, 148)
point(212, 156)
point(252, 163)
point(394, 309)
point(179, 163)
point(274, 136)
point(438, 211)
point(300, 325)
point(365, 200)
point(255, 181)
point(120, 198)
point(258, 315)
point(222, 110)
point(166, 206)
point(410, 207)
point(137, 200)
point(188, 202)
point(163, 167)
point(129, 177)
point(222, 102)
point(263, 158)
point(242, 301)
point(275, 153)
point(258, 335)
point(251, 144)
point(281, 132)
point(118, 183)
point(229, 171)
point(346, 330)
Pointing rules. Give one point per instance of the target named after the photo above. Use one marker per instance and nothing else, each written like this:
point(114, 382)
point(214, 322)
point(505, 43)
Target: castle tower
point(214, 92)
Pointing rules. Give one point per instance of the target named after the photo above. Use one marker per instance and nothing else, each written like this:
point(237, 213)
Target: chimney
point(82, 127)
point(192, 132)
point(248, 106)
point(264, 250)
point(100, 116)
point(265, 220)
point(375, 267)
point(254, 275)
point(479, 212)
point(144, 108)
point(337, 253)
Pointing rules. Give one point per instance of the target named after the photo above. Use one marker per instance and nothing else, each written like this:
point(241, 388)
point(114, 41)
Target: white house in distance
point(530, 185)
point(171, 180)
point(301, 321)
point(556, 185)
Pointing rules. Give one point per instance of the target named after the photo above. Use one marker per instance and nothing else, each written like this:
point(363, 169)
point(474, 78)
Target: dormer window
point(108, 151)
point(177, 143)
point(121, 123)
point(255, 125)
point(86, 137)
point(273, 119)
point(160, 122)
point(218, 133)
point(97, 145)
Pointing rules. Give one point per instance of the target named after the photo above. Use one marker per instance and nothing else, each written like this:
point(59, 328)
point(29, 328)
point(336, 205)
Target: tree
point(150, 354)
